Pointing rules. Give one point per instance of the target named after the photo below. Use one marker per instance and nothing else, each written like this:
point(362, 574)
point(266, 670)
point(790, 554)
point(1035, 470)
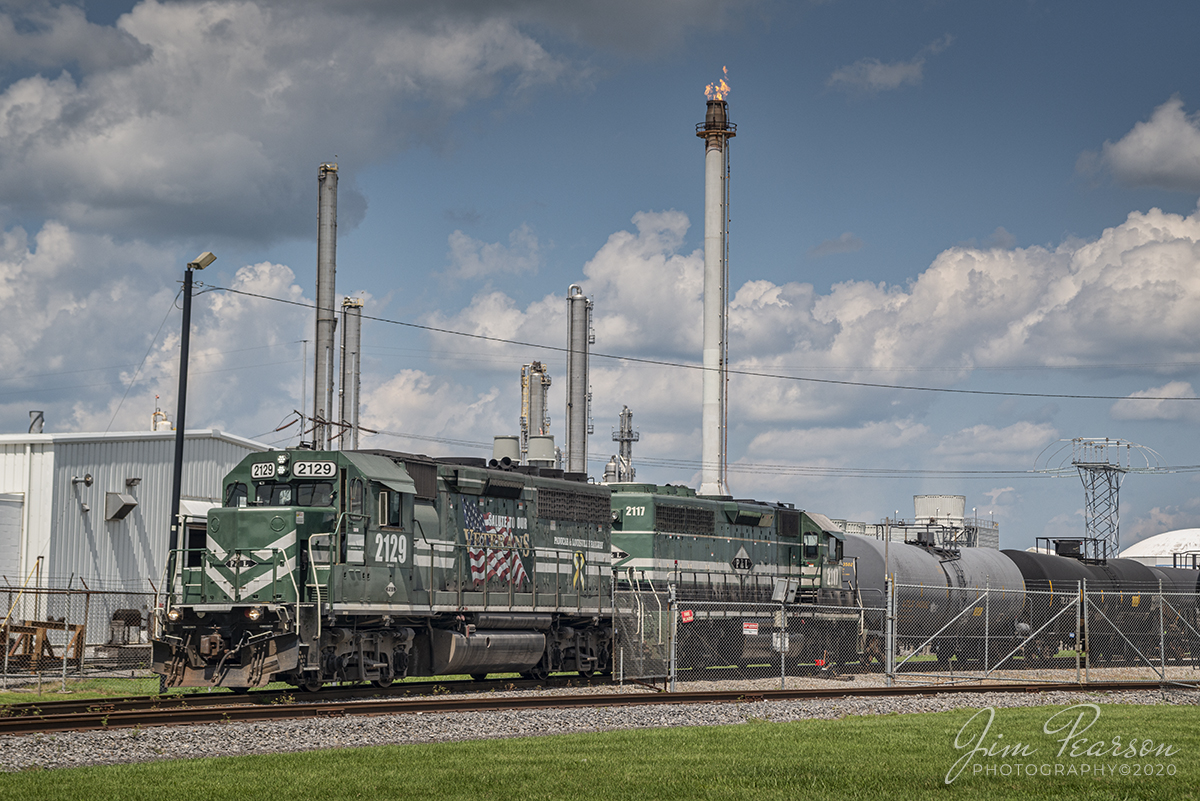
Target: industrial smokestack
point(716, 130)
point(351, 351)
point(621, 465)
point(535, 419)
point(579, 336)
point(327, 180)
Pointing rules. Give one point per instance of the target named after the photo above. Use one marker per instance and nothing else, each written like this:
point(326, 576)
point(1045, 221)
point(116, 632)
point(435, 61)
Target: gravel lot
point(125, 746)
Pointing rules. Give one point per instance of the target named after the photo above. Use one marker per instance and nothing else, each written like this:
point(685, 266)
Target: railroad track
point(179, 701)
point(49, 718)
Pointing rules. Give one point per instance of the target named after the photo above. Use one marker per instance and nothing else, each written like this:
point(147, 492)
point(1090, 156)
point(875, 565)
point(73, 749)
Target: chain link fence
point(912, 634)
point(75, 636)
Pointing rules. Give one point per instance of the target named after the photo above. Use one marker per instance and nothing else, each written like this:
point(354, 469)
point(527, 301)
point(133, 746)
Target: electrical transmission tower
point(1101, 469)
point(1102, 464)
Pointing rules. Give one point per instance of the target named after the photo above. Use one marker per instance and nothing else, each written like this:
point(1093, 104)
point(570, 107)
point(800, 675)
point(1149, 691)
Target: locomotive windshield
point(281, 493)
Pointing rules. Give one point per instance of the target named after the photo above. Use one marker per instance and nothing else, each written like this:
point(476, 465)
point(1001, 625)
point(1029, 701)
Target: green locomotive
point(718, 553)
point(326, 566)
point(372, 566)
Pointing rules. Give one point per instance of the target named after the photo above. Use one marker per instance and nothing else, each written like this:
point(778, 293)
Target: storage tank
point(939, 507)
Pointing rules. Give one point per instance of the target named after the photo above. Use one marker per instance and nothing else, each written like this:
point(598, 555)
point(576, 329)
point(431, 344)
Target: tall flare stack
point(327, 181)
point(716, 131)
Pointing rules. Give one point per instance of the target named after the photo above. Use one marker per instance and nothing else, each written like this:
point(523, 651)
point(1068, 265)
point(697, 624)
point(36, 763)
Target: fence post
point(783, 643)
point(1079, 633)
point(674, 615)
point(1087, 644)
point(87, 613)
point(889, 633)
point(1162, 633)
point(987, 622)
point(66, 636)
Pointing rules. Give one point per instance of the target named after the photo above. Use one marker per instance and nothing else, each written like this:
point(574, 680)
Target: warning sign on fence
point(749, 628)
point(686, 615)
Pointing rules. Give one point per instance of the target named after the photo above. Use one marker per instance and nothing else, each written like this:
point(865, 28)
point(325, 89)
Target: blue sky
point(992, 197)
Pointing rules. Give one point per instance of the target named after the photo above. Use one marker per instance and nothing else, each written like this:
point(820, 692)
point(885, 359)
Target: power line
point(729, 370)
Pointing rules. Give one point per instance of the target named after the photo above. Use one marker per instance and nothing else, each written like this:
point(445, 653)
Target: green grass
point(895, 756)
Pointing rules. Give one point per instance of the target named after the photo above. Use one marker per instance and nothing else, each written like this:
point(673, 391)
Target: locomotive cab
point(293, 524)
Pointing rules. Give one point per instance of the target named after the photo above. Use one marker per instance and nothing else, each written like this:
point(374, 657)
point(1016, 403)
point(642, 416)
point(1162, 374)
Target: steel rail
point(247, 712)
point(178, 700)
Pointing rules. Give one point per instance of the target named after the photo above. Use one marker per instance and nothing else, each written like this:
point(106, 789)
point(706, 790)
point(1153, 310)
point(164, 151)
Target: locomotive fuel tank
point(491, 651)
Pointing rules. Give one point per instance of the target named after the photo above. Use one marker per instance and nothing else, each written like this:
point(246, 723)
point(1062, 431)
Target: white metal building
point(95, 506)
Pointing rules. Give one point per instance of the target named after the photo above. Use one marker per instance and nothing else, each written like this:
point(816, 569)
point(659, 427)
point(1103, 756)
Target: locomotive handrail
point(312, 567)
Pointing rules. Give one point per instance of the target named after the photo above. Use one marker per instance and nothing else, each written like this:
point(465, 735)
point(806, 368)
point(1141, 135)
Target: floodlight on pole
point(199, 263)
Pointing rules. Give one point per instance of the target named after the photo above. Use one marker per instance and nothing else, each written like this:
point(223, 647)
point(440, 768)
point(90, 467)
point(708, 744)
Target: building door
point(11, 507)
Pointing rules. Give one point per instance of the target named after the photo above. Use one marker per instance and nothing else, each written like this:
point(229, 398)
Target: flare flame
point(720, 89)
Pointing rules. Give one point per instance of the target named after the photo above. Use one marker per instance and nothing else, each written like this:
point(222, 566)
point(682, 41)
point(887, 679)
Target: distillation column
point(579, 337)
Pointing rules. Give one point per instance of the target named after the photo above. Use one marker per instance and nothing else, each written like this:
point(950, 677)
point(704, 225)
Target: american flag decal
point(484, 529)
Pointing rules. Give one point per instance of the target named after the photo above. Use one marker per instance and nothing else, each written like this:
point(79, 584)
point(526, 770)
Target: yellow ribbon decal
point(579, 561)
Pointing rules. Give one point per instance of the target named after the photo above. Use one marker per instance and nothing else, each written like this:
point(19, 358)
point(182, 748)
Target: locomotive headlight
point(254, 613)
point(174, 615)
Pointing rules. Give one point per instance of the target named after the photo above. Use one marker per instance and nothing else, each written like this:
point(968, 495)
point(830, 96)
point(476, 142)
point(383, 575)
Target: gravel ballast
point(74, 749)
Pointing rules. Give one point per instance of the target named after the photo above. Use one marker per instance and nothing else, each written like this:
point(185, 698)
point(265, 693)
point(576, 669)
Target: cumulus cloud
point(471, 258)
point(190, 117)
point(78, 312)
point(244, 364)
point(631, 26)
point(873, 75)
point(1132, 291)
point(1161, 519)
point(53, 36)
point(832, 445)
point(415, 402)
point(1163, 151)
point(650, 291)
point(1013, 446)
point(201, 121)
point(846, 243)
point(1158, 409)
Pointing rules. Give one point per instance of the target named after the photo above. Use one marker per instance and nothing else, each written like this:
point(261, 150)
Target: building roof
point(1170, 542)
point(128, 436)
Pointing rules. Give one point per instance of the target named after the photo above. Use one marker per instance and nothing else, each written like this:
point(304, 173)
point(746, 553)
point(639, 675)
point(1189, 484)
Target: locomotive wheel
point(311, 685)
point(383, 682)
point(539, 672)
